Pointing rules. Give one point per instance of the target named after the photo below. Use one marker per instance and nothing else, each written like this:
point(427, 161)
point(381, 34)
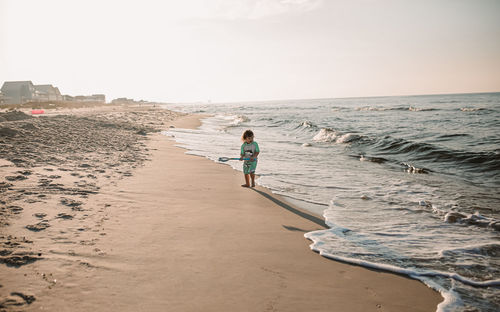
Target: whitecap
point(307, 124)
point(329, 135)
point(325, 135)
point(239, 119)
point(369, 108)
point(470, 109)
point(453, 216)
point(348, 137)
point(412, 169)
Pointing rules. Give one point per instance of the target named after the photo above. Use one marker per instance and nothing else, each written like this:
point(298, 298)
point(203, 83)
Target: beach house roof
point(18, 91)
point(47, 88)
point(48, 92)
point(10, 86)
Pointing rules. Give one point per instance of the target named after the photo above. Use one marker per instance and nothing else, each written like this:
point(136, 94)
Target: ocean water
point(406, 184)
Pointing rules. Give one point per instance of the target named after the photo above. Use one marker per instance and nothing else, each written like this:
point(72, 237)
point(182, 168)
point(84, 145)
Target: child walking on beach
point(249, 149)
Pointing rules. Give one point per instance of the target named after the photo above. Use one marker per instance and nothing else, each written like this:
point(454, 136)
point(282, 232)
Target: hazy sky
point(231, 50)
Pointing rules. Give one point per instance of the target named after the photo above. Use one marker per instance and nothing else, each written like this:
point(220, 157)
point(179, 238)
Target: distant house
point(47, 92)
point(101, 98)
point(18, 92)
point(123, 101)
point(68, 97)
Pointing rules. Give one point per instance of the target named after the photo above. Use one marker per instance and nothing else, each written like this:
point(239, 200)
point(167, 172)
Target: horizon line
point(330, 98)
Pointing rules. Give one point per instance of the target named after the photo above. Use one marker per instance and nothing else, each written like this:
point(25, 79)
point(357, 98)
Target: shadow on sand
point(294, 210)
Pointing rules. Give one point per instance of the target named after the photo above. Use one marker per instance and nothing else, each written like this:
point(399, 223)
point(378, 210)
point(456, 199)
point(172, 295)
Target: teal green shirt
point(248, 150)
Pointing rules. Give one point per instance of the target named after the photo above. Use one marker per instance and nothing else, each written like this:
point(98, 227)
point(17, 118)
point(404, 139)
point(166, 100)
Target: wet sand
point(168, 231)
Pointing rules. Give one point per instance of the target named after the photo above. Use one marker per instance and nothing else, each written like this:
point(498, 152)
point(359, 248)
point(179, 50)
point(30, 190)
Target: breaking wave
point(233, 120)
point(406, 150)
point(429, 152)
point(471, 109)
point(327, 135)
point(439, 268)
point(399, 108)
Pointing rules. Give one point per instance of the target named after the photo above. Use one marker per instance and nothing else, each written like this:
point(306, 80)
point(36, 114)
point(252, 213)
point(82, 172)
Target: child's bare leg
point(252, 175)
point(247, 180)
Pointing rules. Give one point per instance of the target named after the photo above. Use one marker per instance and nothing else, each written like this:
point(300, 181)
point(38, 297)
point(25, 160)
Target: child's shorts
point(249, 167)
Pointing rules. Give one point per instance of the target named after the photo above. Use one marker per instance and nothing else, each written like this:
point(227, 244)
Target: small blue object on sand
point(224, 159)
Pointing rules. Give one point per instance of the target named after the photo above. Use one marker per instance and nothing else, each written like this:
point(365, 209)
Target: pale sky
point(236, 50)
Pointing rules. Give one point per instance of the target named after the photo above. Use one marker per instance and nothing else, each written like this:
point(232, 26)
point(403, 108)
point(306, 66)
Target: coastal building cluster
point(20, 92)
point(123, 100)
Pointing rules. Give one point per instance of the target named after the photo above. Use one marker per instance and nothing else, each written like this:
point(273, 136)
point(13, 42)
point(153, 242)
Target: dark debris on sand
point(62, 139)
point(14, 116)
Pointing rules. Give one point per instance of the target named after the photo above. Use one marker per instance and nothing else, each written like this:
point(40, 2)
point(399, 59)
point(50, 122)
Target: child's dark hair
point(247, 134)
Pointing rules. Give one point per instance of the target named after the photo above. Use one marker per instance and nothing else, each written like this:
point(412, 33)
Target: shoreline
point(180, 233)
point(294, 205)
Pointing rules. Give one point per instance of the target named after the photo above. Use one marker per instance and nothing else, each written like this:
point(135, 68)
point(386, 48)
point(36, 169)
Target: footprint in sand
point(16, 300)
point(40, 226)
point(74, 204)
point(4, 186)
point(40, 215)
point(15, 209)
point(16, 178)
point(65, 216)
point(19, 259)
point(31, 201)
point(25, 172)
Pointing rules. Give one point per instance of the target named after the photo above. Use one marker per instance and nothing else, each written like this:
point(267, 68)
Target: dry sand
point(49, 166)
point(177, 233)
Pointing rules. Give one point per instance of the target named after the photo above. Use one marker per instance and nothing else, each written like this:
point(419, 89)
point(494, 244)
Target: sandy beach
point(101, 212)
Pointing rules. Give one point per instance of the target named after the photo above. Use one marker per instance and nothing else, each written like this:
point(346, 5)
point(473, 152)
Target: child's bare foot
point(245, 185)
point(253, 184)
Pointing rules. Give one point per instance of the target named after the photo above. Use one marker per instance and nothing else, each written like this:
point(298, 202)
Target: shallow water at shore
point(406, 184)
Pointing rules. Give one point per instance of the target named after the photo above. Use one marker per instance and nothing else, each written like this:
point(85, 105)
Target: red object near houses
point(37, 111)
